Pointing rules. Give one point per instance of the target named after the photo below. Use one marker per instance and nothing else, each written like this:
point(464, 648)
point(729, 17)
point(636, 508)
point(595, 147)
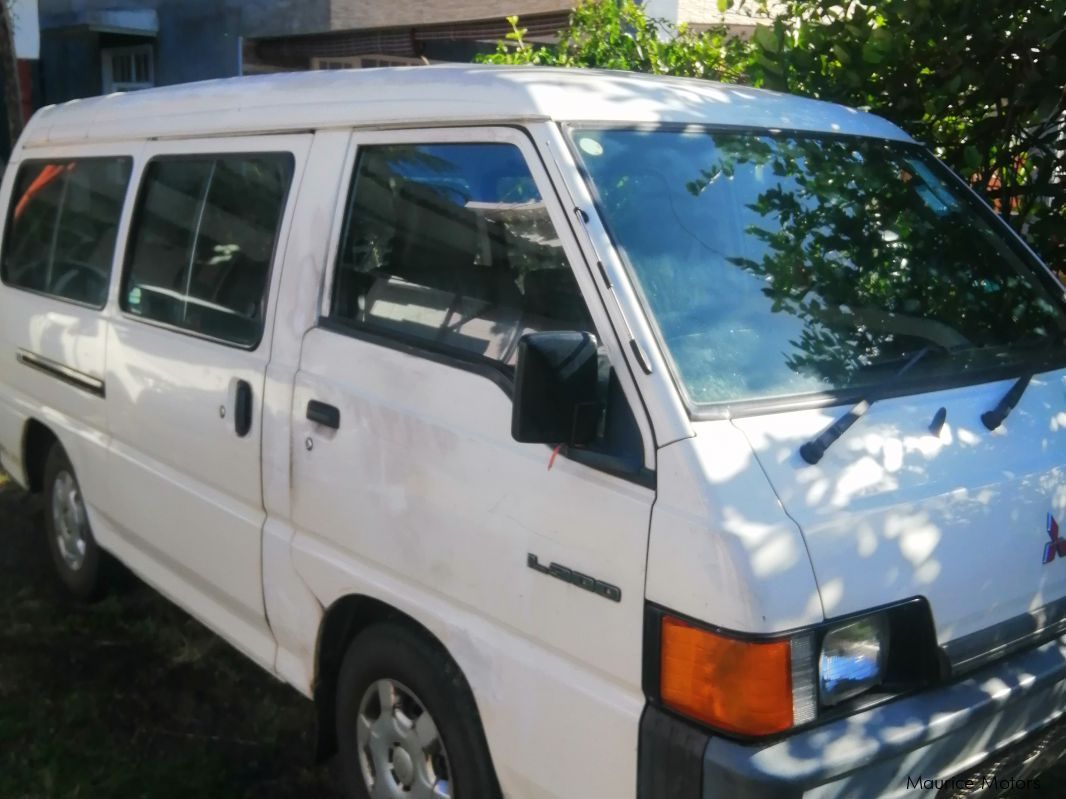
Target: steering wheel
point(69, 272)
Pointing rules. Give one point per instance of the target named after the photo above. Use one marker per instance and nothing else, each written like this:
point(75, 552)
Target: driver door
point(408, 485)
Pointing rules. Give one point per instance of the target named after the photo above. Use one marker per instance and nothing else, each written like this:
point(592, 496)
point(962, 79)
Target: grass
point(130, 697)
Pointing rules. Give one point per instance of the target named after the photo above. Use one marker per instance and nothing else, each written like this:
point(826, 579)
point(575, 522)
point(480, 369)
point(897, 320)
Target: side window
point(62, 226)
point(451, 245)
point(203, 241)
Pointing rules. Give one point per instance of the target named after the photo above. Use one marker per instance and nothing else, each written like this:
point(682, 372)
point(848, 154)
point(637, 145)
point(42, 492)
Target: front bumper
point(904, 748)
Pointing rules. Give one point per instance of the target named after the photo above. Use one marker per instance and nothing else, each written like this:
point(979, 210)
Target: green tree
point(618, 34)
point(983, 82)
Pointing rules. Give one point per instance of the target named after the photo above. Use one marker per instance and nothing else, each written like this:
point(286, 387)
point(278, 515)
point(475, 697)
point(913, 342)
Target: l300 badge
point(606, 590)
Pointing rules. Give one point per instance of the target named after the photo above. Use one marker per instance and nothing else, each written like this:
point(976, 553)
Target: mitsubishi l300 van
point(559, 434)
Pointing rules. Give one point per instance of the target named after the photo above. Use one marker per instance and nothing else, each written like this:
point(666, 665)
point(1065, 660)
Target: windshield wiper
point(814, 449)
point(994, 418)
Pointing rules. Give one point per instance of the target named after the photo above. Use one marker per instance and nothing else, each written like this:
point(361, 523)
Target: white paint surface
point(397, 96)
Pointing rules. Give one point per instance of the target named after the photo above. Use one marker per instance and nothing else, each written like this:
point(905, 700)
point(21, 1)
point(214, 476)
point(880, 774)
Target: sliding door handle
point(324, 414)
point(242, 412)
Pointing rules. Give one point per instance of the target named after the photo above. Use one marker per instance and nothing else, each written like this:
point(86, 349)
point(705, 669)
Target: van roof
point(401, 96)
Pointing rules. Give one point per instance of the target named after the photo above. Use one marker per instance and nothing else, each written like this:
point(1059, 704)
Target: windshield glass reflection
point(782, 265)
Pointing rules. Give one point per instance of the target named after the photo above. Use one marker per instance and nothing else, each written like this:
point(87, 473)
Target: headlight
point(852, 659)
point(755, 686)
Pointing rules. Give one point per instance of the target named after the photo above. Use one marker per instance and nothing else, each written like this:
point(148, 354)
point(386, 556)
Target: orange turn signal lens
point(735, 685)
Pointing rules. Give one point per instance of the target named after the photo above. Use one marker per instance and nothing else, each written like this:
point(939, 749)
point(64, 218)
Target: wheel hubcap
point(69, 521)
point(401, 754)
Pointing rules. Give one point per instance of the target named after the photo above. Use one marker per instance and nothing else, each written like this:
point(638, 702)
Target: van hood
point(962, 519)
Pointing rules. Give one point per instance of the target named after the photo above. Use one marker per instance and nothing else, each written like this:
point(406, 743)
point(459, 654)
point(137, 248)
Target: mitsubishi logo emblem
point(1056, 546)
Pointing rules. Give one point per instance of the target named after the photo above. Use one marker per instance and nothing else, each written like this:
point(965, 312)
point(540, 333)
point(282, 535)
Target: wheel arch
point(37, 442)
point(343, 621)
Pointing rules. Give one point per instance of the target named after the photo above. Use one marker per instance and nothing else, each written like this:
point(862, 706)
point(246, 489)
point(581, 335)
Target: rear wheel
point(78, 560)
point(407, 727)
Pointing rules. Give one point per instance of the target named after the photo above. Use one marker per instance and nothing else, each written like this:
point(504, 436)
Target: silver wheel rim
point(69, 521)
point(401, 754)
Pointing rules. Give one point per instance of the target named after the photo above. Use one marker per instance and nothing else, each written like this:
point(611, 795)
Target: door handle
point(242, 412)
point(324, 414)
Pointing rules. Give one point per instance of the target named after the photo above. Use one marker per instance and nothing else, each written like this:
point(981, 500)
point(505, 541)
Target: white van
point(560, 434)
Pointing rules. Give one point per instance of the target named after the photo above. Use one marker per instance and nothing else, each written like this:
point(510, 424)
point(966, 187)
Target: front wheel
point(407, 727)
point(78, 560)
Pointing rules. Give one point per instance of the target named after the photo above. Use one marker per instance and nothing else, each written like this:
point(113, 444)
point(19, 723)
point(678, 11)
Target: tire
point(80, 564)
point(388, 674)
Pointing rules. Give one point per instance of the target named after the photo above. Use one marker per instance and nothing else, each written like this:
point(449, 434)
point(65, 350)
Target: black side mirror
point(556, 397)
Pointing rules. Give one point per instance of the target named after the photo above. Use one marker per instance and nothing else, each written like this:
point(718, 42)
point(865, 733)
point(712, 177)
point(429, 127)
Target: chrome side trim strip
point(72, 377)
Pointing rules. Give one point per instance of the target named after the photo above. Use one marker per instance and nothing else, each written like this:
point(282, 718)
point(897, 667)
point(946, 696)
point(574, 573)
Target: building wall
point(348, 14)
point(256, 17)
point(27, 40)
point(197, 39)
point(698, 11)
point(662, 9)
point(283, 17)
point(70, 67)
point(705, 12)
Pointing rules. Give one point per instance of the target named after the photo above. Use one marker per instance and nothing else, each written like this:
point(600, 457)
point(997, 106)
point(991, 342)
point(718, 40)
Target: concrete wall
point(348, 14)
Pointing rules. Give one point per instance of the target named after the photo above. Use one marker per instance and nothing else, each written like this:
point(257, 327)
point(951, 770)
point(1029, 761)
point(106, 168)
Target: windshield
point(777, 265)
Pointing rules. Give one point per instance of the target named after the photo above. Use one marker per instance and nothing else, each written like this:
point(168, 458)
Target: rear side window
point(451, 245)
point(62, 226)
point(203, 241)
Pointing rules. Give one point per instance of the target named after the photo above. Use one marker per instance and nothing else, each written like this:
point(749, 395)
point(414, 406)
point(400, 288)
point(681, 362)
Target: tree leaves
point(983, 84)
point(878, 46)
point(767, 40)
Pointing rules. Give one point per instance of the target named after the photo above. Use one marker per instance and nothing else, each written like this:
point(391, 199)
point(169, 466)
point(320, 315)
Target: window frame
point(585, 271)
point(107, 68)
point(116, 248)
point(493, 369)
point(280, 237)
